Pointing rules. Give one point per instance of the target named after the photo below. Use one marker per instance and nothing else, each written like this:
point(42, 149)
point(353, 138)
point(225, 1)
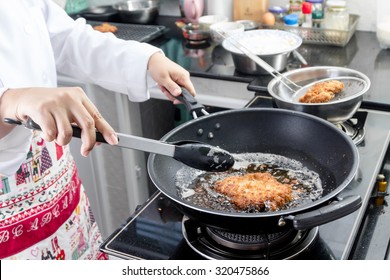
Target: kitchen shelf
point(321, 36)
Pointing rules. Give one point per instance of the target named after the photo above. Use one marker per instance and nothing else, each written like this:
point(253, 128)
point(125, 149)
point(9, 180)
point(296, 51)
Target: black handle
point(77, 133)
point(33, 125)
point(189, 101)
point(327, 213)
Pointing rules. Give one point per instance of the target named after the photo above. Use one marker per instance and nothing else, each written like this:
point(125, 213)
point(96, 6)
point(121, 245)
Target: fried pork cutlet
point(255, 190)
point(322, 92)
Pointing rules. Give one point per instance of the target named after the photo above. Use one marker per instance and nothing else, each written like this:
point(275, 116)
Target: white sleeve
point(13, 150)
point(96, 57)
point(13, 147)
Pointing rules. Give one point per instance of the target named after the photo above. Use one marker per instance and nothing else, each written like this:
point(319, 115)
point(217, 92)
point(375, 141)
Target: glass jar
point(279, 12)
point(336, 15)
point(317, 12)
point(295, 7)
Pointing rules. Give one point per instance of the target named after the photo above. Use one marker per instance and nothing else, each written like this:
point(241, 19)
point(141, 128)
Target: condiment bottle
point(296, 8)
point(336, 15)
point(317, 12)
point(291, 20)
point(307, 14)
point(382, 189)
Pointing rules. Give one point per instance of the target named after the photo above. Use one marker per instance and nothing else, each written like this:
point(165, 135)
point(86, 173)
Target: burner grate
point(212, 243)
point(354, 127)
point(250, 241)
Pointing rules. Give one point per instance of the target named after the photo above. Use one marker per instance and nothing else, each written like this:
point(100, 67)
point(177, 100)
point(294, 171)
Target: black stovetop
point(154, 231)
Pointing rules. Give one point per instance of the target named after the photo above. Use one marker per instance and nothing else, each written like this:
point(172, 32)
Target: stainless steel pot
point(138, 11)
point(277, 46)
point(247, 66)
point(336, 111)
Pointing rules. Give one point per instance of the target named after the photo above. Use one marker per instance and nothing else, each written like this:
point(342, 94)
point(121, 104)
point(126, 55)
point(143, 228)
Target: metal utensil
point(352, 85)
point(192, 153)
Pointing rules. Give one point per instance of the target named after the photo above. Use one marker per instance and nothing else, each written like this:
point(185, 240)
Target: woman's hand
point(169, 76)
point(55, 109)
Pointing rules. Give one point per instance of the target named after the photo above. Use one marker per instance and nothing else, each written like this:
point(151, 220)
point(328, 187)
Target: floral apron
point(44, 211)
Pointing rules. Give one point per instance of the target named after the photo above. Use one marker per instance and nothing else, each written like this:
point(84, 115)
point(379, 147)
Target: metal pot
point(99, 13)
point(318, 144)
point(138, 11)
point(336, 111)
point(275, 54)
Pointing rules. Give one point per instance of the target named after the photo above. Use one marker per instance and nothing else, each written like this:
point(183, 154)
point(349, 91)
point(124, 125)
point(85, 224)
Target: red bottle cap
point(306, 8)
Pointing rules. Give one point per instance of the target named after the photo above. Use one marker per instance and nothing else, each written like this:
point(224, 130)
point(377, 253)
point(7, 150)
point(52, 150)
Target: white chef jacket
point(38, 39)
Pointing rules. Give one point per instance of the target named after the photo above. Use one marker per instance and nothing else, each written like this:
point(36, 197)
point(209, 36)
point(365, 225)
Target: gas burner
point(355, 133)
point(251, 242)
point(213, 243)
point(354, 127)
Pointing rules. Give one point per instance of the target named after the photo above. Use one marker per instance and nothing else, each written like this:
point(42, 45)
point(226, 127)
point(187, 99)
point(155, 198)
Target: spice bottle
point(295, 7)
point(336, 15)
point(291, 20)
point(307, 14)
point(317, 12)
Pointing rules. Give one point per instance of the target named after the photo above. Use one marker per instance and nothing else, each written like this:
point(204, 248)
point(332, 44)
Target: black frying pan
point(318, 144)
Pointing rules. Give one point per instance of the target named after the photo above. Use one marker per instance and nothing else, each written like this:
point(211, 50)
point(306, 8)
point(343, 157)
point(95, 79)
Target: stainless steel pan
point(336, 111)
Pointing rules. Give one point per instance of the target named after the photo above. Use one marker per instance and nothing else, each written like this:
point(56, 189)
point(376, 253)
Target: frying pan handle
point(191, 103)
point(331, 212)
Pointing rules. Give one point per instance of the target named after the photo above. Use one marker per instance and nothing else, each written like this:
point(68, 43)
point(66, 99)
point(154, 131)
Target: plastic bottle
point(307, 15)
point(336, 15)
point(317, 12)
point(291, 20)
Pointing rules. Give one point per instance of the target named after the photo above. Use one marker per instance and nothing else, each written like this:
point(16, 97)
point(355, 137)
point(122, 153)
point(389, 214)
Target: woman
point(43, 206)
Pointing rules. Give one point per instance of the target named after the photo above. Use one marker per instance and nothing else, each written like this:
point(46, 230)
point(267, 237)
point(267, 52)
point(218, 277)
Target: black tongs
point(192, 153)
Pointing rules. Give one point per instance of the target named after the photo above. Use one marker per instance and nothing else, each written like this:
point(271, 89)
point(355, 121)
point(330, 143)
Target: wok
point(318, 144)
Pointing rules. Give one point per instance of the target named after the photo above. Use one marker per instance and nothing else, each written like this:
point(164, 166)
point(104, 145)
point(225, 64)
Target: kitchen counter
point(206, 62)
point(219, 84)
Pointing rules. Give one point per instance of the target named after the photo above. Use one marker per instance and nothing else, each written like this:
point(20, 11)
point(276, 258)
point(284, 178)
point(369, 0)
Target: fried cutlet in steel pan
point(322, 92)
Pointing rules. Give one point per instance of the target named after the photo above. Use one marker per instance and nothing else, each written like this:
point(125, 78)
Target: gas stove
point(157, 230)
